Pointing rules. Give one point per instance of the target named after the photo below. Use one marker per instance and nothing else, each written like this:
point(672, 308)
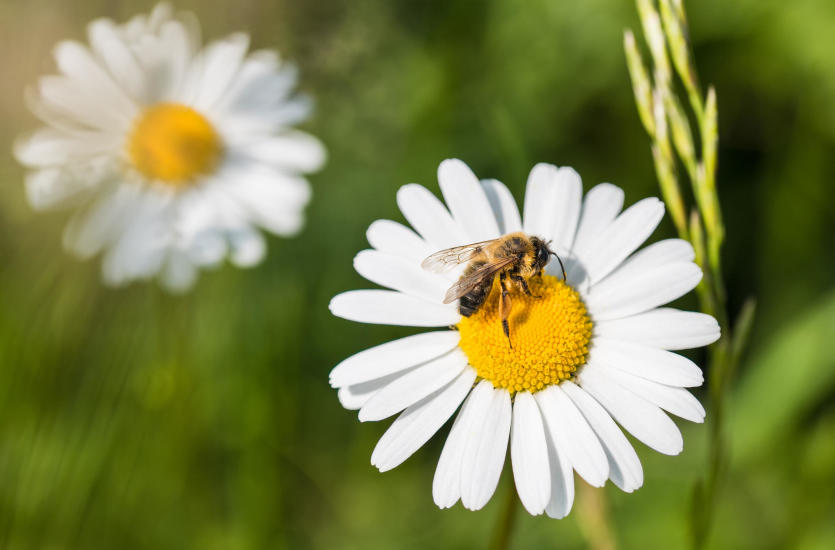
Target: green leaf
point(786, 379)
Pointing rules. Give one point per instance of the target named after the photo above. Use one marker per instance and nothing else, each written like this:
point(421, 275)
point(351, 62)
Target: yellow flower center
point(173, 143)
point(550, 333)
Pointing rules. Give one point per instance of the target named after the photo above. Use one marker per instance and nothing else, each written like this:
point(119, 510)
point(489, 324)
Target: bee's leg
point(504, 307)
point(523, 283)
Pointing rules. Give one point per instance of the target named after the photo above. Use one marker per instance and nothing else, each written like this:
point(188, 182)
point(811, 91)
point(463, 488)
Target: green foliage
point(134, 419)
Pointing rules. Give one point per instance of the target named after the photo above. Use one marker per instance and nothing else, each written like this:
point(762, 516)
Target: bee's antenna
point(564, 276)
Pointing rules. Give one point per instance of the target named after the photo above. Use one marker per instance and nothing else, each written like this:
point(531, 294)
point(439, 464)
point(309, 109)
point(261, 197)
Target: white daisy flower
point(586, 352)
point(170, 153)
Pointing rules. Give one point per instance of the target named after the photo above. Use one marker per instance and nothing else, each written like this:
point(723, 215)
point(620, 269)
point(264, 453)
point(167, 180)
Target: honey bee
point(515, 258)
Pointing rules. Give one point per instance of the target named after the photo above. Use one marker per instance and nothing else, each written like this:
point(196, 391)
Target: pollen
point(549, 334)
point(173, 143)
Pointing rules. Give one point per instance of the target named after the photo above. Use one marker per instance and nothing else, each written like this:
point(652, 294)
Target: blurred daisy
point(586, 352)
point(171, 154)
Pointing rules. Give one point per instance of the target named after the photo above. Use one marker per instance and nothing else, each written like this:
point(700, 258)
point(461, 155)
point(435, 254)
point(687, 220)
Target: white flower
point(170, 153)
point(583, 354)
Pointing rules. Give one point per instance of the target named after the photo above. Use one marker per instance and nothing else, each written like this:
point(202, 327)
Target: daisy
point(587, 352)
point(170, 153)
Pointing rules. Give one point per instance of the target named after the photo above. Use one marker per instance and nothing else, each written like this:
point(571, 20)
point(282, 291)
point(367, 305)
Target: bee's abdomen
point(471, 301)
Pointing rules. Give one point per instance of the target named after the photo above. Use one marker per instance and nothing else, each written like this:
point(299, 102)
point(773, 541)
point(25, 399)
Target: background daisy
point(583, 353)
point(171, 154)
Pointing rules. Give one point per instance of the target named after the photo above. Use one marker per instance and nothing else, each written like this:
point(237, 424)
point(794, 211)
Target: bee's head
point(542, 252)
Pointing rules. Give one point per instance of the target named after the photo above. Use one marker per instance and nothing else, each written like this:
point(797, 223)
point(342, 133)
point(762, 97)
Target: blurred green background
point(134, 419)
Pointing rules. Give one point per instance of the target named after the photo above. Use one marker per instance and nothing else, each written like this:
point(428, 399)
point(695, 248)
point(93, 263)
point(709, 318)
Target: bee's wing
point(451, 257)
point(480, 275)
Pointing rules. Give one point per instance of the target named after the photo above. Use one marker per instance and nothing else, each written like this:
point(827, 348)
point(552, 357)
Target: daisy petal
point(624, 466)
point(50, 147)
point(90, 229)
point(654, 364)
point(569, 191)
point(178, 274)
point(388, 307)
point(562, 479)
point(392, 357)
point(621, 296)
point(399, 274)
point(418, 423)
point(218, 66)
point(446, 485)
point(529, 454)
point(572, 434)
point(353, 397)
point(664, 328)
point(639, 417)
point(414, 386)
point(600, 207)
point(292, 150)
point(621, 238)
point(677, 401)
point(540, 200)
point(503, 205)
point(76, 61)
point(398, 240)
point(483, 458)
point(466, 201)
point(428, 216)
point(668, 251)
point(110, 47)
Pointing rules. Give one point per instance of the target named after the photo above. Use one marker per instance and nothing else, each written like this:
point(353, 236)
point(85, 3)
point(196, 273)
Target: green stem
point(501, 536)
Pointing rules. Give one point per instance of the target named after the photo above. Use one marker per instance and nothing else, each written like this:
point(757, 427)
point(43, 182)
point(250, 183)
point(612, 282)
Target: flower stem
point(501, 536)
point(595, 522)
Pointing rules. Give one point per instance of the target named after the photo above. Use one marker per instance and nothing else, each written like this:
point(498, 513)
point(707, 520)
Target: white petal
point(388, 307)
point(355, 396)
point(247, 245)
point(664, 367)
point(668, 251)
point(75, 61)
point(414, 386)
point(53, 187)
point(178, 273)
point(92, 228)
point(624, 466)
point(109, 46)
point(562, 479)
point(419, 422)
point(398, 240)
point(484, 454)
point(392, 357)
point(529, 454)
point(446, 485)
point(400, 274)
point(621, 238)
point(273, 199)
point(504, 206)
point(637, 292)
point(569, 191)
point(639, 417)
point(50, 147)
point(573, 436)
point(209, 249)
point(217, 68)
point(466, 201)
point(674, 400)
point(540, 200)
point(292, 150)
point(600, 207)
point(664, 328)
point(428, 216)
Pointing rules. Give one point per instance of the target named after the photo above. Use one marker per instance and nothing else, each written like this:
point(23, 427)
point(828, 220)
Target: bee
point(515, 258)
